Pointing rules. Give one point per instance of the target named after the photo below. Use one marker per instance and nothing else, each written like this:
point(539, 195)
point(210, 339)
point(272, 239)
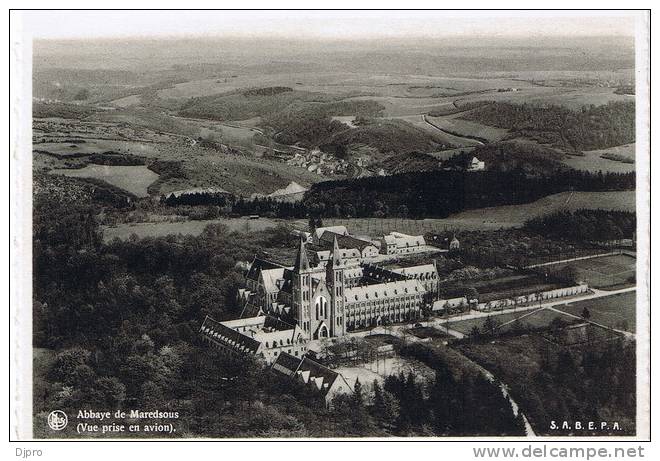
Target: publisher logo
point(57, 420)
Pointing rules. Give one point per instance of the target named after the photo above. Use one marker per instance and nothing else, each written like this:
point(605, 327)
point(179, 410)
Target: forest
point(119, 321)
point(585, 225)
point(592, 127)
point(441, 193)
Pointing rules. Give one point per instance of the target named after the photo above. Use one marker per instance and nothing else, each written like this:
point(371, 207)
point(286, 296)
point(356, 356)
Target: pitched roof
point(258, 265)
point(415, 271)
point(322, 377)
point(228, 337)
point(319, 231)
point(251, 310)
point(344, 241)
point(255, 321)
point(286, 364)
point(383, 290)
point(270, 278)
point(404, 240)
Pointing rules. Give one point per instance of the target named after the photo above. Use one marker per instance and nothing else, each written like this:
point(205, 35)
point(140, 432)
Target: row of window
point(386, 301)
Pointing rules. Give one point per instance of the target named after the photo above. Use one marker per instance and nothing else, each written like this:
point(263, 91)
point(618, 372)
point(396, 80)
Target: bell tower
point(335, 282)
point(301, 290)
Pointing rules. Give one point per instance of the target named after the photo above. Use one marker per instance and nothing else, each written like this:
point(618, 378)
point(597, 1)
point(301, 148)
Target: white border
point(20, 137)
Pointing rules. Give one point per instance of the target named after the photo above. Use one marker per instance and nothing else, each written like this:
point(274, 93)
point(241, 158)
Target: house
point(476, 165)
point(346, 242)
point(319, 231)
point(264, 337)
point(425, 273)
point(313, 375)
point(396, 243)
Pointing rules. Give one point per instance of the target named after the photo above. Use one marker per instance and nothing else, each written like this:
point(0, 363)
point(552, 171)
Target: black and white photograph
point(331, 225)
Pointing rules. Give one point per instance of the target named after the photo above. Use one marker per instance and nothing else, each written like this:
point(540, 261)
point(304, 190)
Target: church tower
point(335, 282)
point(301, 290)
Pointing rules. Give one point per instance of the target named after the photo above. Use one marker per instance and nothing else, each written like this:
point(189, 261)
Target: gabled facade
point(316, 377)
point(340, 295)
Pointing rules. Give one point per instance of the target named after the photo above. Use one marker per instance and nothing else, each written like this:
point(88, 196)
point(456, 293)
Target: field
point(422, 121)
point(593, 160)
point(430, 332)
point(455, 124)
point(604, 272)
point(517, 215)
point(491, 218)
point(171, 139)
point(134, 179)
point(616, 311)
point(538, 318)
point(152, 229)
point(511, 286)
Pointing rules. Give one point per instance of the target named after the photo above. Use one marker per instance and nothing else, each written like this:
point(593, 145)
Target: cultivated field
point(134, 179)
point(517, 215)
point(594, 161)
point(616, 311)
point(423, 122)
point(455, 124)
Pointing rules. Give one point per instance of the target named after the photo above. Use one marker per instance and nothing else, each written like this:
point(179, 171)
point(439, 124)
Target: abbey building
point(334, 296)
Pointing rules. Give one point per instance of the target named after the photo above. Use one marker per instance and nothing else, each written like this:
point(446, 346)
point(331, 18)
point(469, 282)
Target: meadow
point(605, 272)
point(594, 160)
point(133, 179)
point(453, 123)
point(616, 311)
point(86, 146)
point(538, 318)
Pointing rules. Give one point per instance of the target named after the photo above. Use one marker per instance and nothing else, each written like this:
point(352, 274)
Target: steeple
point(336, 256)
point(302, 263)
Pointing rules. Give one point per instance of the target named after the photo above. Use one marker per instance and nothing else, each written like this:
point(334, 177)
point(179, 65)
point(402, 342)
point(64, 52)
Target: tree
point(586, 314)
point(386, 406)
point(108, 392)
point(68, 364)
point(490, 326)
point(152, 395)
point(362, 422)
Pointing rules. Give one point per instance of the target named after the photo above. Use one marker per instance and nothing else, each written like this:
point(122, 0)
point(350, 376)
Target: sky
point(322, 24)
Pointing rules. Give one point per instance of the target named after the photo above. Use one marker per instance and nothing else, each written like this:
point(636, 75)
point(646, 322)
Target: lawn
point(616, 311)
point(511, 286)
point(604, 272)
point(534, 319)
point(133, 179)
point(430, 332)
